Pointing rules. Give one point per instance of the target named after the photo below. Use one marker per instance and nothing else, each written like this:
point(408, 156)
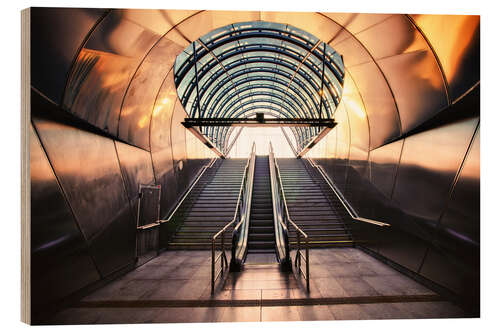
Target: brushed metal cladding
point(179, 152)
point(161, 144)
point(338, 170)
point(353, 52)
point(429, 162)
point(104, 68)
point(439, 267)
point(60, 260)
point(455, 39)
point(54, 45)
point(138, 105)
point(384, 163)
point(87, 167)
point(462, 217)
point(114, 247)
point(316, 24)
point(381, 109)
point(413, 75)
point(136, 168)
point(358, 22)
point(403, 248)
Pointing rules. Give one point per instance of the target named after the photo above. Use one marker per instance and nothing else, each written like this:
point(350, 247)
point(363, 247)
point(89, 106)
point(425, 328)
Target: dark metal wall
point(406, 150)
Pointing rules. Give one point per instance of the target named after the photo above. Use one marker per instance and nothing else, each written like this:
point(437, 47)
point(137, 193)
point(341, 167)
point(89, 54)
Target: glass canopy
point(244, 68)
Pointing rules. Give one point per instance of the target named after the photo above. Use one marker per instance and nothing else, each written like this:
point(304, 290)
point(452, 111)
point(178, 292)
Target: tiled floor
point(160, 290)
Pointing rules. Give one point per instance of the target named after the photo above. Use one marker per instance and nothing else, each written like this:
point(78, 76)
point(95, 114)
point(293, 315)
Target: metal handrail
point(299, 232)
point(353, 214)
point(203, 169)
point(280, 228)
point(222, 256)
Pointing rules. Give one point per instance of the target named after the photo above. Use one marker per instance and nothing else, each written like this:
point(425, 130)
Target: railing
point(280, 227)
point(240, 231)
point(159, 222)
point(203, 169)
point(352, 212)
point(282, 209)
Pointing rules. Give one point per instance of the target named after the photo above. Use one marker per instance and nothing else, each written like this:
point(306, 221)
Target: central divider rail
point(240, 231)
point(283, 223)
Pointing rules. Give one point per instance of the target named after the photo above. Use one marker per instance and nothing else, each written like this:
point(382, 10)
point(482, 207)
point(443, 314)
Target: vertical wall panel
point(54, 45)
point(136, 167)
point(161, 144)
point(138, 104)
point(87, 167)
point(104, 69)
point(428, 166)
point(462, 215)
point(60, 260)
point(455, 39)
point(379, 103)
point(179, 153)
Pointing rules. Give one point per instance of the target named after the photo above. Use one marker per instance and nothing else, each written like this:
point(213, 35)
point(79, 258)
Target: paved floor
point(346, 283)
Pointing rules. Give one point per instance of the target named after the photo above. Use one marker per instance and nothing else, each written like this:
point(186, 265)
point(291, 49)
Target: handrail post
point(213, 266)
point(223, 252)
point(307, 262)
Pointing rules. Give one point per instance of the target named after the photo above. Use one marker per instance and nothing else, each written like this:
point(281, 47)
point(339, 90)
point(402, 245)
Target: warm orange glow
point(450, 36)
point(143, 121)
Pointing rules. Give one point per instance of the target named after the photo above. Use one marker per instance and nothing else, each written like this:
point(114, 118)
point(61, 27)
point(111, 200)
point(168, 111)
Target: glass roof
point(249, 67)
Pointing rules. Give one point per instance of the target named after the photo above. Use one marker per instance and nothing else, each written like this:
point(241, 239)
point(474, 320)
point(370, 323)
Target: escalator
point(261, 229)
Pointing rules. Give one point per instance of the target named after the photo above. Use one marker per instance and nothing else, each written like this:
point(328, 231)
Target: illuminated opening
point(259, 67)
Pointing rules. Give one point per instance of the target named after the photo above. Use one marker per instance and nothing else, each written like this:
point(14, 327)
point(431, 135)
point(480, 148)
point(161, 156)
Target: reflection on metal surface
point(60, 259)
point(455, 39)
point(118, 46)
point(54, 45)
point(136, 168)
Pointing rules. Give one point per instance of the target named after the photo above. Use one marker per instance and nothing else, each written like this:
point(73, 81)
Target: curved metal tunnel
point(106, 117)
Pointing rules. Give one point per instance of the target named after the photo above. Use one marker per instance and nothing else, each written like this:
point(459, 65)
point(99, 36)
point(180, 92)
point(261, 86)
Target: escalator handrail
point(350, 210)
point(289, 219)
point(280, 228)
point(240, 231)
point(299, 232)
point(243, 180)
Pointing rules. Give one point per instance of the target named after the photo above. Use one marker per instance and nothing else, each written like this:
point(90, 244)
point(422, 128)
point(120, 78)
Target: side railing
point(302, 243)
point(350, 210)
point(157, 224)
point(240, 232)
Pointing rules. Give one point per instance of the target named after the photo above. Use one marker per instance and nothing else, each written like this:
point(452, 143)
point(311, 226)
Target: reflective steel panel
point(161, 143)
point(381, 109)
point(60, 260)
point(179, 153)
point(462, 215)
point(136, 167)
point(139, 101)
point(455, 39)
point(104, 68)
point(88, 169)
point(54, 45)
point(429, 162)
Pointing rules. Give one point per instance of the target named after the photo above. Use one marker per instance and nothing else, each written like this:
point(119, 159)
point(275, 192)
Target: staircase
point(313, 206)
point(261, 228)
point(209, 206)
